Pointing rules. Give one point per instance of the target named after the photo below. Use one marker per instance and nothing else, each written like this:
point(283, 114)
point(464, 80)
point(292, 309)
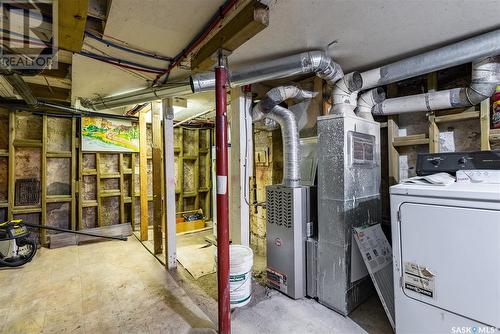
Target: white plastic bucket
point(240, 274)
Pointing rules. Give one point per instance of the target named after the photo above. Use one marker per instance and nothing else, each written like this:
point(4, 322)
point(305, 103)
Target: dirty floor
point(106, 287)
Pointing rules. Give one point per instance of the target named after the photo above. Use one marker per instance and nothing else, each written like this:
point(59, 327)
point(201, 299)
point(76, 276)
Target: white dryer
point(446, 249)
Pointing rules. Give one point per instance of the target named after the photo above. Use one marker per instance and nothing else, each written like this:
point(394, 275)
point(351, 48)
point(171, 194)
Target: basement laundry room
point(250, 166)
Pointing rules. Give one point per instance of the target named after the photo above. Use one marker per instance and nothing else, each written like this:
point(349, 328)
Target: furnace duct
point(316, 62)
point(268, 108)
point(367, 100)
point(485, 77)
point(345, 93)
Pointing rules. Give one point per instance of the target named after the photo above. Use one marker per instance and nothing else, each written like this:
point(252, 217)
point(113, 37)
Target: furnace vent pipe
point(269, 108)
point(317, 62)
point(345, 93)
point(478, 47)
point(367, 100)
point(485, 77)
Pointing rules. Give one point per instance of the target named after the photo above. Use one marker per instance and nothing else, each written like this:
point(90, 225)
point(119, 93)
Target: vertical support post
point(157, 180)
point(168, 151)
point(485, 125)
point(143, 175)
point(222, 199)
point(12, 163)
point(43, 181)
point(74, 182)
point(241, 165)
point(433, 128)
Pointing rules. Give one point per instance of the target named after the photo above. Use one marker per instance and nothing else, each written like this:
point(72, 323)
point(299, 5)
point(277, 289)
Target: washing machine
point(446, 249)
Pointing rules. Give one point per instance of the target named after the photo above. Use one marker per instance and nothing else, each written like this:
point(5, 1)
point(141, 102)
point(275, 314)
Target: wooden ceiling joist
point(72, 15)
point(45, 92)
point(252, 19)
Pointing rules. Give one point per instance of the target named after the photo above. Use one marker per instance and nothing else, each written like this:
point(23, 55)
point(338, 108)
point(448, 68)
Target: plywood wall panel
point(58, 215)
point(89, 217)
point(28, 163)
point(110, 211)
point(58, 176)
point(28, 126)
point(89, 187)
point(58, 134)
point(110, 163)
point(88, 161)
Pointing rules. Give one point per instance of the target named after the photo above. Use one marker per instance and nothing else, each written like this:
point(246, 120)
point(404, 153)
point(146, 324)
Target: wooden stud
point(122, 190)
point(43, 181)
point(485, 125)
point(392, 133)
point(132, 193)
point(433, 135)
point(157, 180)
point(143, 175)
point(73, 174)
point(98, 189)
point(12, 164)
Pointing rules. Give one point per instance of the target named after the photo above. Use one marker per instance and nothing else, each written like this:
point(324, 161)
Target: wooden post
point(392, 133)
point(12, 164)
point(157, 180)
point(143, 175)
point(43, 181)
point(168, 137)
point(433, 128)
point(241, 166)
point(98, 188)
point(122, 190)
point(485, 125)
point(132, 192)
point(74, 183)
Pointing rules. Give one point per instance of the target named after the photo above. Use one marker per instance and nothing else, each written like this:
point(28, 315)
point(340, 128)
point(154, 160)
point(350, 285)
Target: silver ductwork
point(268, 108)
point(345, 93)
point(21, 87)
point(317, 62)
point(138, 96)
point(478, 47)
point(367, 100)
point(485, 77)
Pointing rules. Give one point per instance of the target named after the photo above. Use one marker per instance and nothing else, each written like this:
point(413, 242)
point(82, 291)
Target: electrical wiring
point(119, 62)
point(212, 23)
point(127, 49)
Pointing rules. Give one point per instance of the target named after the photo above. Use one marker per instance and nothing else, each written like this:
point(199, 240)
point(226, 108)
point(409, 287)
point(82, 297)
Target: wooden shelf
point(495, 135)
point(463, 116)
point(411, 140)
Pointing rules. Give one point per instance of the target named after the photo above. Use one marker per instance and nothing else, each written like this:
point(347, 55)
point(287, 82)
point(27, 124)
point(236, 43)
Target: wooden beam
point(63, 71)
point(143, 175)
point(71, 16)
point(157, 180)
point(50, 82)
point(54, 93)
point(252, 19)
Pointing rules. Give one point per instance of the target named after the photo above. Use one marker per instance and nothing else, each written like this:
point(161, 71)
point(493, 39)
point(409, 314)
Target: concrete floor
point(119, 287)
point(106, 287)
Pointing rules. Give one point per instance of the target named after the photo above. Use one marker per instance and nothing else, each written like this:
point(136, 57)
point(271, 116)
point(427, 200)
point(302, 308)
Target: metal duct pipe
point(478, 47)
point(269, 108)
point(367, 100)
point(345, 93)
point(138, 96)
point(317, 62)
point(21, 88)
point(485, 77)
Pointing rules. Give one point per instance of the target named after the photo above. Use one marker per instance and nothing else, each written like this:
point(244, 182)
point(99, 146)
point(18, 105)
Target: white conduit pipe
point(478, 47)
point(485, 77)
point(367, 100)
point(268, 108)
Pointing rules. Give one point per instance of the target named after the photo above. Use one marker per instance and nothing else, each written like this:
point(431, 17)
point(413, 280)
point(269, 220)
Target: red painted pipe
point(222, 199)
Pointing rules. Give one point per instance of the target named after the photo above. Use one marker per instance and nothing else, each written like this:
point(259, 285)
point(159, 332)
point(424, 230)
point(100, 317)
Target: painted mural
point(109, 135)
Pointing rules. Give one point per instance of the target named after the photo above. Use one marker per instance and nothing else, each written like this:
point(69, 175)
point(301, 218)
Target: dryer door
point(450, 258)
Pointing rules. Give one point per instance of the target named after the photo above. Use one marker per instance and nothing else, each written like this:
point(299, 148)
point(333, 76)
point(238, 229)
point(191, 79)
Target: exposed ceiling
point(367, 32)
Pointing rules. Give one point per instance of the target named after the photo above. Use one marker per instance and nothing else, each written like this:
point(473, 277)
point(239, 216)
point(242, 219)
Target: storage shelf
point(463, 116)
point(411, 140)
